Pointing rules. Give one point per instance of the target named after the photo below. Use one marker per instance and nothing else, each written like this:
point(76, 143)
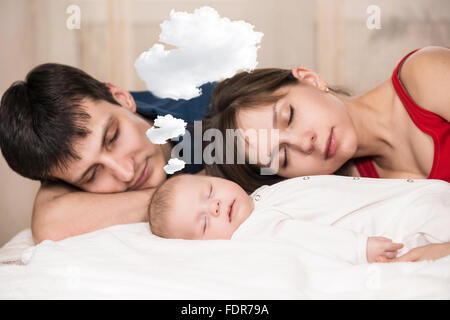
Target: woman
point(400, 129)
point(381, 134)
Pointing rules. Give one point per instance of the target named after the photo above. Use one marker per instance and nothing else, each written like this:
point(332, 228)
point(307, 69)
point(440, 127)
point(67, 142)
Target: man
point(85, 141)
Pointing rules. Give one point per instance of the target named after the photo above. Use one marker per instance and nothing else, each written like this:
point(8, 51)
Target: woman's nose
point(304, 141)
point(214, 207)
point(308, 141)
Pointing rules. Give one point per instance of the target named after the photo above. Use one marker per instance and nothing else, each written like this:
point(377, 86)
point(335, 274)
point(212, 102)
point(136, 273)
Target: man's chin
point(154, 180)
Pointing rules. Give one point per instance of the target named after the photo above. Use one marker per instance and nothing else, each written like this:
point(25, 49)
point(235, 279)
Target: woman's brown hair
point(245, 90)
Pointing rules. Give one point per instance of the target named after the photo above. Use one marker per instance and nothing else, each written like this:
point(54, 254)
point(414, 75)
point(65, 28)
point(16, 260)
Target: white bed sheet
point(128, 262)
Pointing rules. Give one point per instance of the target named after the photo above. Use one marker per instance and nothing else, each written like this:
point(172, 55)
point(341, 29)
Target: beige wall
point(329, 36)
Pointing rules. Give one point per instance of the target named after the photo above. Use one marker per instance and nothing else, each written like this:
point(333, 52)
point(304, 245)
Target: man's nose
point(214, 208)
point(122, 169)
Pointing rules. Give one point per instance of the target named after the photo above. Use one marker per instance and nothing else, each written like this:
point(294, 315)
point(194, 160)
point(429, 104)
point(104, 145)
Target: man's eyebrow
point(105, 129)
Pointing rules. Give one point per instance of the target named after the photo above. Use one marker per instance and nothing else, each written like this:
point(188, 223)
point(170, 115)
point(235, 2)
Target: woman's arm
point(61, 211)
point(428, 252)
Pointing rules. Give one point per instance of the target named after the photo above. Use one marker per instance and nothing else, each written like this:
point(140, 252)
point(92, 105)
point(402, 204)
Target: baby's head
point(198, 207)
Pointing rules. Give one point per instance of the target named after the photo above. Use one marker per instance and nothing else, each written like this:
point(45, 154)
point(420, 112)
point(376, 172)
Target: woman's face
point(316, 134)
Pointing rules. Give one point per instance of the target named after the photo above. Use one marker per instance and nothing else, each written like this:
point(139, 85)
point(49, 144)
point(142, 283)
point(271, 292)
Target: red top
point(430, 123)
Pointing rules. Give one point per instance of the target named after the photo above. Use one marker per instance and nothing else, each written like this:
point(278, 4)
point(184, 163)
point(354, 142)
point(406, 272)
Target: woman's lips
point(331, 145)
point(143, 178)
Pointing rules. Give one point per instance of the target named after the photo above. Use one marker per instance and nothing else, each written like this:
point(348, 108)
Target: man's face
point(126, 161)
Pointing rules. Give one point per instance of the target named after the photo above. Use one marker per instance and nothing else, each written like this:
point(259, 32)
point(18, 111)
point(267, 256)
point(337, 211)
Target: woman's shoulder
point(349, 169)
point(425, 76)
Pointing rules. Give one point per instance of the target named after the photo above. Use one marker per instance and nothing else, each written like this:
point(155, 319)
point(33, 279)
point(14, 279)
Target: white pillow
point(18, 249)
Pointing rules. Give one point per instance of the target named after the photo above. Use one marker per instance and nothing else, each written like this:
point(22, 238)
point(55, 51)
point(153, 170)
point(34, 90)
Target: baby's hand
point(380, 249)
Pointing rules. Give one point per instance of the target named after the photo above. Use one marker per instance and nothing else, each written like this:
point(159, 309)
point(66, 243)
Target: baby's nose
point(215, 208)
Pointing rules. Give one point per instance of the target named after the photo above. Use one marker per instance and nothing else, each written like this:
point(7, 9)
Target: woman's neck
point(371, 114)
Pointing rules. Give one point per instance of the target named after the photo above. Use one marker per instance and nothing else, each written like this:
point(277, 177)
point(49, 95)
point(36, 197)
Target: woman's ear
point(122, 96)
point(309, 77)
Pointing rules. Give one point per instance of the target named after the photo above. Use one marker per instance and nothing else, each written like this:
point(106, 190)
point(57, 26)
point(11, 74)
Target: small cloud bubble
point(165, 128)
point(174, 165)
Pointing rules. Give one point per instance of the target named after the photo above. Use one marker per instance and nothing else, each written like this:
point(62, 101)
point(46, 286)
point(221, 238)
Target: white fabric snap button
point(355, 178)
point(257, 197)
point(305, 178)
point(410, 180)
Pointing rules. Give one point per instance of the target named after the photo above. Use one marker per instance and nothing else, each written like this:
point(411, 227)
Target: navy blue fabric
point(150, 106)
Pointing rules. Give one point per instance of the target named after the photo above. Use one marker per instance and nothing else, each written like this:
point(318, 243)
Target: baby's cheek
point(232, 230)
point(229, 234)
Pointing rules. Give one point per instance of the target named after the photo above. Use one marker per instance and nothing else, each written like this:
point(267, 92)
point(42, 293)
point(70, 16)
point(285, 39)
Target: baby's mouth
point(230, 211)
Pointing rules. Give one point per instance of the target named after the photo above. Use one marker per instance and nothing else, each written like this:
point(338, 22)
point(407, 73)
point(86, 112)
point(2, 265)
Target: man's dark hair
point(42, 117)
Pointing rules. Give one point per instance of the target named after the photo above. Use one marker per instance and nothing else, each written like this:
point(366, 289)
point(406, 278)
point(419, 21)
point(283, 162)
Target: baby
point(336, 216)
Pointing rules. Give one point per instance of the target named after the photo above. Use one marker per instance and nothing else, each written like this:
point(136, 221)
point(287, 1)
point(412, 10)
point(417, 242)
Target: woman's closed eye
point(285, 161)
point(291, 115)
point(284, 150)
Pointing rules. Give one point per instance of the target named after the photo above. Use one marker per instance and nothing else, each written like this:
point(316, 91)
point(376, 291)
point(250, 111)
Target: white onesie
point(334, 215)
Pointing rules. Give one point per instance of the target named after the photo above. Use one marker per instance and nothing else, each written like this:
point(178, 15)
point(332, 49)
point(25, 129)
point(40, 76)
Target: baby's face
point(207, 208)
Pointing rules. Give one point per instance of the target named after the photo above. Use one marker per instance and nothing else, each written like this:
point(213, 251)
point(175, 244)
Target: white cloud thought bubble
point(208, 48)
point(165, 128)
point(174, 165)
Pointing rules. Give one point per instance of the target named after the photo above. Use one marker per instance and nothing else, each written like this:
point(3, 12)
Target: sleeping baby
point(357, 220)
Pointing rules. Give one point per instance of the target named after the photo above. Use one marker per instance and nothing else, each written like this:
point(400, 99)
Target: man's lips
point(142, 178)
